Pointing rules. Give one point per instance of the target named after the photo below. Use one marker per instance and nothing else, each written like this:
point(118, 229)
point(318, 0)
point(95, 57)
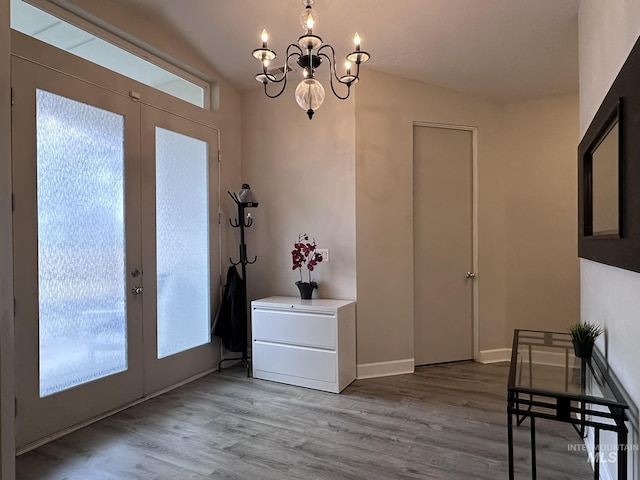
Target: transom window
point(55, 31)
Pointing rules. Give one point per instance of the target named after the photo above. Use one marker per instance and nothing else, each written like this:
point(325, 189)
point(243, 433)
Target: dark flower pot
point(583, 350)
point(306, 289)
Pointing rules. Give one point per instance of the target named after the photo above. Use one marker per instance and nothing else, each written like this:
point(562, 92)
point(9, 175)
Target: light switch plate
point(324, 252)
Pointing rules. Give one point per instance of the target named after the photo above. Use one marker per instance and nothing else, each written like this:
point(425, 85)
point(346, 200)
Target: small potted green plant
point(584, 336)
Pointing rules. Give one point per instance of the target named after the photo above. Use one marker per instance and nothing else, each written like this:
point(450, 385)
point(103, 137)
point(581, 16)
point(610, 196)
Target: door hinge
point(15, 407)
point(219, 218)
point(14, 308)
point(219, 156)
point(13, 202)
point(13, 99)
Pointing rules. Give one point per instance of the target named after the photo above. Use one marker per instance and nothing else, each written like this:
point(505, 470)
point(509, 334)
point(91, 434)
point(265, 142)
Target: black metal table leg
point(622, 454)
point(533, 449)
point(510, 440)
point(596, 453)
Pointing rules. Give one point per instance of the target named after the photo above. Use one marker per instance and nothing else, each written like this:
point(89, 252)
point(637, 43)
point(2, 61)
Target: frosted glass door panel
point(182, 242)
point(81, 242)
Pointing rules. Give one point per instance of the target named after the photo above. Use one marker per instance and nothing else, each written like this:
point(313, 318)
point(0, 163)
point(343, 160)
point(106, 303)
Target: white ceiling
point(503, 50)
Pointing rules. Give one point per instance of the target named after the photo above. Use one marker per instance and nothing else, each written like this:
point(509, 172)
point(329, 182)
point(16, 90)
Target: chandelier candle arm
point(333, 89)
point(273, 78)
point(266, 92)
point(266, 77)
point(348, 79)
point(309, 93)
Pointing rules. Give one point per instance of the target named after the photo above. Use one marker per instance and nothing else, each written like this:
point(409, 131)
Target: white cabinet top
point(297, 303)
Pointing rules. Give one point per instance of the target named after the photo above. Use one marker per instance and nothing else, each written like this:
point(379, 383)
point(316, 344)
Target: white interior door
point(443, 244)
point(76, 177)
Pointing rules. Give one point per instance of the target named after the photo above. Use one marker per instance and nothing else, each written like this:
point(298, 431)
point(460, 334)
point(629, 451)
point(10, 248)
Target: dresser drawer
point(295, 328)
point(294, 361)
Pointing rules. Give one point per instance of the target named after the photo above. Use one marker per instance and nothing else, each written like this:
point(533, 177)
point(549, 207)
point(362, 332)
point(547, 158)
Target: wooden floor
point(443, 422)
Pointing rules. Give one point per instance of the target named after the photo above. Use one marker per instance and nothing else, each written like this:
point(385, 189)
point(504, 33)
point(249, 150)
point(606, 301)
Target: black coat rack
point(242, 223)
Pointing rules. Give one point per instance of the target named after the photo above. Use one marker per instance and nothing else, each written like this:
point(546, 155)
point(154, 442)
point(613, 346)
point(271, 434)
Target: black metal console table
point(546, 380)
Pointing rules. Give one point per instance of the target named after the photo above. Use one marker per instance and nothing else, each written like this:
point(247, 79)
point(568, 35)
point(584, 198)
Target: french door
point(180, 245)
point(114, 248)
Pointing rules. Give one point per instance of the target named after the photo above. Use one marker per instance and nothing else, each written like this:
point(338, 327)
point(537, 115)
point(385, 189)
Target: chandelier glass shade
point(309, 52)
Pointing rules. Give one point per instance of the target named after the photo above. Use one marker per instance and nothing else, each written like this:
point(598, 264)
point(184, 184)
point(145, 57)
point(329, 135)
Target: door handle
point(471, 275)
point(136, 290)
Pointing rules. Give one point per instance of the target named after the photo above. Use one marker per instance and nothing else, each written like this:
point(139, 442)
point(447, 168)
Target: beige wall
point(303, 173)
point(541, 264)
point(7, 441)
point(526, 163)
point(609, 295)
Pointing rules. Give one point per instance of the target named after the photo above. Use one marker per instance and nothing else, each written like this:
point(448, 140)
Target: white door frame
point(474, 225)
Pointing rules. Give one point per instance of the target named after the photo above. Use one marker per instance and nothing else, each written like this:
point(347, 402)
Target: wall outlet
point(324, 252)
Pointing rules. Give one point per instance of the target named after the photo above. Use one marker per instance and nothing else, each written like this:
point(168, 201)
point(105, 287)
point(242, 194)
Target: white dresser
point(310, 343)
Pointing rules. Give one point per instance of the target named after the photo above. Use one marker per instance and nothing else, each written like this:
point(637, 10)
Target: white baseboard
point(504, 355)
point(495, 356)
point(401, 367)
point(550, 358)
point(385, 369)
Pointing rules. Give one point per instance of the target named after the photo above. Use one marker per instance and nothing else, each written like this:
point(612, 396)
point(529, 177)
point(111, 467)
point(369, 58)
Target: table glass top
point(545, 363)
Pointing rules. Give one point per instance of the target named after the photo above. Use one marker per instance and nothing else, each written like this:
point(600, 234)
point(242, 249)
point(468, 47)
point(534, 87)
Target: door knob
point(136, 290)
point(471, 275)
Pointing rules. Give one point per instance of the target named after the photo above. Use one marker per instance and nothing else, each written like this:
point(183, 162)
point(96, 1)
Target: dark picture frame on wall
point(609, 174)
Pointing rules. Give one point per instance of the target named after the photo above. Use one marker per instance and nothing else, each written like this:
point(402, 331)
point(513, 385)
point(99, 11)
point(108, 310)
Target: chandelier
point(309, 52)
